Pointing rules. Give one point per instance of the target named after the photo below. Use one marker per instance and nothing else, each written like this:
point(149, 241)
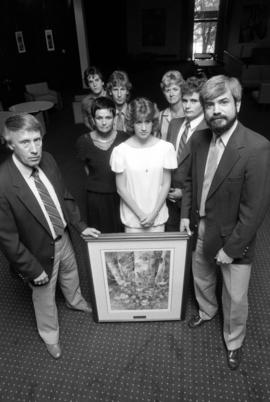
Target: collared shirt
point(193, 125)
point(224, 138)
point(216, 149)
point(26, 173)
point(121, 113)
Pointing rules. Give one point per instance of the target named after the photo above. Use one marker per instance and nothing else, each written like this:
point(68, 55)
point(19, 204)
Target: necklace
point(101, 143)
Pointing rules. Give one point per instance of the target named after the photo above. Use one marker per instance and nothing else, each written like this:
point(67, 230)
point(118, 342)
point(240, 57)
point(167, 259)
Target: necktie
point(120, 121)
point(210, 170)
point(183, 138)
point(48, 204)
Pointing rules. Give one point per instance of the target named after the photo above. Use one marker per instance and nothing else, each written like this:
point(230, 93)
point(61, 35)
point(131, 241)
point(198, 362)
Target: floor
point(150, 361)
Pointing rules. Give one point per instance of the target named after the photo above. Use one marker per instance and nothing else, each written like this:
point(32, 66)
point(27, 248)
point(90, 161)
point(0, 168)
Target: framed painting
point(139, 277)
point(20, 42)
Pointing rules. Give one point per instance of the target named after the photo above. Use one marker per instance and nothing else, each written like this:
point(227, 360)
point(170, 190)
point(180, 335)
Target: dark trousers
point(173, 222)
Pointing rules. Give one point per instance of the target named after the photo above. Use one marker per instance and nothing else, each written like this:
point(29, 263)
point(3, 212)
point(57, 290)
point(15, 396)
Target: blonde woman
point(171, 84)
point(143, 167)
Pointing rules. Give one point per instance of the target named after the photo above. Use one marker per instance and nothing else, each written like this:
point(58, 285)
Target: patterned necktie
point(49, 204)
point(210, 170)
point(120, 121)
point(183, 139)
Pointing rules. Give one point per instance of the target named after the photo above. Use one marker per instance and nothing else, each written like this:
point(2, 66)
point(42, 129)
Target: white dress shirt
point(220, 148)
point(26, 173)
point(193, 125)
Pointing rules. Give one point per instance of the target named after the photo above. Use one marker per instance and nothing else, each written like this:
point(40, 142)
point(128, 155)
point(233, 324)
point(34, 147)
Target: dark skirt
point(103, 212)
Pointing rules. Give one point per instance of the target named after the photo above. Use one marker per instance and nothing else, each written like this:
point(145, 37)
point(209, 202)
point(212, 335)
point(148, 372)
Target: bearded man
point(226, 195)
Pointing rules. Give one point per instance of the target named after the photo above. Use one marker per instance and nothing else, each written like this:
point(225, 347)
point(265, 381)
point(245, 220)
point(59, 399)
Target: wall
point(139, 13)
point(242, 47)
point(106, 34)
point(60, 68)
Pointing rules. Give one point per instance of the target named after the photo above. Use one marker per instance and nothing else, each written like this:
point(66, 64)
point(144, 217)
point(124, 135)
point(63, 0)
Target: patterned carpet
point(115, 362)
point(160, 361)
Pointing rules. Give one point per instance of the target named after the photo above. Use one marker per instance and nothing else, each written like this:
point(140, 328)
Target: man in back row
point(180, 131)
point(36, 213)
point(226, 195)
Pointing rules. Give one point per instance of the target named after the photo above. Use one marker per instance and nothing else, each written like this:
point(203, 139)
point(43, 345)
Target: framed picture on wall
point(20, 42)
point(154, 27)
point(49, 40)
point(139, 277)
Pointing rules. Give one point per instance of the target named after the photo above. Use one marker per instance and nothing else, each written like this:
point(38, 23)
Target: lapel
point(186, 151)
point(49, 167)
point(25, 194)
point(202, 146)
point(176, 126)
point(49, 170)
point(230, 156)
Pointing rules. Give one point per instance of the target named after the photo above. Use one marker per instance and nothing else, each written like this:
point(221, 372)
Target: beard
point(219, 125)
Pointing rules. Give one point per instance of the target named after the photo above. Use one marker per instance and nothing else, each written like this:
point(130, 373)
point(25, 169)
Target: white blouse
point(143, 170)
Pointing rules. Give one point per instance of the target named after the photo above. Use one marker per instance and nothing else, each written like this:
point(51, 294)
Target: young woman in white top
point(143, 167)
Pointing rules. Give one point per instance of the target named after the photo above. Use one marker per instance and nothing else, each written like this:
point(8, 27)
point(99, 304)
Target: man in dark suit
point(180, 132)
point(36, 212)
point(226, 196)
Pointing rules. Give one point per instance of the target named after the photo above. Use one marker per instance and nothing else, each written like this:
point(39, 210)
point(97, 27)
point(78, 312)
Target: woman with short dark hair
point(94, 150)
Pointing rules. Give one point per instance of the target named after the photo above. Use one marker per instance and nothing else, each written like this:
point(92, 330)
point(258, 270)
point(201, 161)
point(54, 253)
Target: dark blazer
point(238, 197)
point(180, 173)
point(25, 237)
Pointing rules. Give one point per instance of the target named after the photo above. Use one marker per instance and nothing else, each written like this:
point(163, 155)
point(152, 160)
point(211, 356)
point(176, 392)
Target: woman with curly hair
point(143, 167)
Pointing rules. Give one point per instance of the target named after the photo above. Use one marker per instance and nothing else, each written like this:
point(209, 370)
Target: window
point(205, 25)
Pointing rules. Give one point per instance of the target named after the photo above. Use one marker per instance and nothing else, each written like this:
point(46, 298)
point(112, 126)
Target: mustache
point(218, 117)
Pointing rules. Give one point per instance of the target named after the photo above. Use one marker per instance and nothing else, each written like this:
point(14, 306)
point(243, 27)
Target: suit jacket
point(238, 197)
point(25, 237)
point(180, 173)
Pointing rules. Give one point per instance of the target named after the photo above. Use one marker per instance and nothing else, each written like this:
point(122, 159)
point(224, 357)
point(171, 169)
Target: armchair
point(40, 91)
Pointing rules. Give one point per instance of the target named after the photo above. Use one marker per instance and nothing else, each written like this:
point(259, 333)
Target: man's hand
point(89, 233)
point(42, 279)
point(184, 226)
point(223, 258)
point(175, 194)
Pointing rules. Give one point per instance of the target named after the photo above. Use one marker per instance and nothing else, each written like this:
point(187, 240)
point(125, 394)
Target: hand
point(148, 220)
point(223, 258)
point(89, 233)
point(175, 194)
point(184, 226)
point(42, 279)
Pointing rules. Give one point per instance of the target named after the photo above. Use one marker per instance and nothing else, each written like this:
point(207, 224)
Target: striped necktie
point(49, 204)
point(183, 139)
